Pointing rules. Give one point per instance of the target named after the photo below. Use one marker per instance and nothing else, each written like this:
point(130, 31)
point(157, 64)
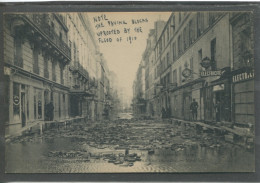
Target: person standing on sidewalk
point(217, 107)
point(194, 109)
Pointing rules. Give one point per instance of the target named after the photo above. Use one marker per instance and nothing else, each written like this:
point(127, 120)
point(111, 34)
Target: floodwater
point(61, 151)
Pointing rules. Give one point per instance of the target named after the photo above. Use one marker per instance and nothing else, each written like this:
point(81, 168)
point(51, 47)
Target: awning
point(81, 93)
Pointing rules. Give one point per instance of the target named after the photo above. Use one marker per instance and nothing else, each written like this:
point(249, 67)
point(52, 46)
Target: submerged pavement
point(126, 145)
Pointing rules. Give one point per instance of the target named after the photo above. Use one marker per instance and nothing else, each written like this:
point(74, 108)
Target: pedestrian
point(194, 109)
point(217, 108)
point(51, 111)
point(163, 112)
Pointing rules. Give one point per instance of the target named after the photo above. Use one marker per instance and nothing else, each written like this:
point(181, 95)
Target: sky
point(122, 56)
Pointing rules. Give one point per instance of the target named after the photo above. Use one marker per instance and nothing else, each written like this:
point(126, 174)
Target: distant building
point(139, 103)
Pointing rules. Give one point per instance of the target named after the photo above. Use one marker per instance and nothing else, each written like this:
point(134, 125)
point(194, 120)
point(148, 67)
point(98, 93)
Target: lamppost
point(205, 62)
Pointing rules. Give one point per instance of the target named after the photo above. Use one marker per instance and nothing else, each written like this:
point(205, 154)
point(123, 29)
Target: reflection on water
point(32, 157)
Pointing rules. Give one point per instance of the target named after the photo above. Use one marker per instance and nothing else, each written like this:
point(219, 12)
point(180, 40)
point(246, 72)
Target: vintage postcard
point(114, 92)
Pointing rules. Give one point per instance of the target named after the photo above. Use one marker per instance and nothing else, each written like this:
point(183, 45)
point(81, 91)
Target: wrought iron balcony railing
point(40, 22)
point(77, 67)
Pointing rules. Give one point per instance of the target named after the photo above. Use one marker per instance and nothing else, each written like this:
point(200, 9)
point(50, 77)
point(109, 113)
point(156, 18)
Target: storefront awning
point(81, 93)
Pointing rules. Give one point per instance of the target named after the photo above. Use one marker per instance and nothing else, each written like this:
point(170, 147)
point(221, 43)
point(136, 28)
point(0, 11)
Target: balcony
point(76, 67)
point(36, 28)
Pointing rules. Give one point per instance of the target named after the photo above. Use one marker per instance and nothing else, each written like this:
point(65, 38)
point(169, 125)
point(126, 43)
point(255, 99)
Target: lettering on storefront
point(243, 76)
point(210, 73)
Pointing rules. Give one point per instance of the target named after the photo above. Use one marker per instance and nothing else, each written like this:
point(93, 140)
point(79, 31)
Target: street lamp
point(205, 62)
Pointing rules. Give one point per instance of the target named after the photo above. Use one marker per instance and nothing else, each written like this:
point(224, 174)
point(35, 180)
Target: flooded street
point(125, 145)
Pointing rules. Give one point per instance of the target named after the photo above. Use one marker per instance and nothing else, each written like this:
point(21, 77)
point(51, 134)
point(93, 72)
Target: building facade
point(243, 69)
point(36, 55)
point(53, 70)
point(206, 57)
point(139, 103)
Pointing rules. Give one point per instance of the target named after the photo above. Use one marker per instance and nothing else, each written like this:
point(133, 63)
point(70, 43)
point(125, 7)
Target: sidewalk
point(40, 125)
point(245, 135)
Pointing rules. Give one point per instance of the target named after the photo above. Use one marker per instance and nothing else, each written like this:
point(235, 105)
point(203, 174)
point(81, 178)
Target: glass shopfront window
point(16, 103)
point(38, 104)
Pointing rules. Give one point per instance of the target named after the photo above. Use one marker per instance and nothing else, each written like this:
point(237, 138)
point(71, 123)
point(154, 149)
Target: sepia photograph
point(129, 92)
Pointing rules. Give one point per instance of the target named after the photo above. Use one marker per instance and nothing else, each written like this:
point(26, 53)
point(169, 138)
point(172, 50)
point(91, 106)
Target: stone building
point(243, 104)
point(139, 103)
point(206, 56)
point(189, 41)
point(53, 70)
point(82, 70)
point(36, 56)
point(150, 68)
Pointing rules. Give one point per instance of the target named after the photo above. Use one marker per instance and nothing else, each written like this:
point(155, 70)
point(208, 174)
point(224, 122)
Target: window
point(39, 104)
point(163, 39)
point(191, 65)
point(59, 97)
point(191, 32)
point(246, 47)
point(200, 23)
point(185, 38)
point(174, 76)
point(61, 74)
point(173, 23)
point(53, 70)
point(168, 34)
point(160, 46)
point(16, 102)
point(35, 60)
point(180, 76)
point(18, 59)
point(174, 55)
point(60, 36)
point(200, 55)
point(70, 44)
point(46, 71)
point(37, 100)
point(213, 54)
point(179, 45)
point(212, 18)
point(168, 59)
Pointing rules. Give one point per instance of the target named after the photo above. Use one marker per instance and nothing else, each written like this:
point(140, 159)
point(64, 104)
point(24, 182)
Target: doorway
point(222, 106)
point(23, 109)
point(186, 105)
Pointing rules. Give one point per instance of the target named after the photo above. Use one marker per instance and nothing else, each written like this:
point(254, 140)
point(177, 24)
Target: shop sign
point(218, 87)
point(16, 100)
point(211, 73)
point(243, 76)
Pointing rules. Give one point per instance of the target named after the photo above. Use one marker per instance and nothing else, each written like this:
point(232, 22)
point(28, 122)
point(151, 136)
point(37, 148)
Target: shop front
point(217, 101)
point(243, 97)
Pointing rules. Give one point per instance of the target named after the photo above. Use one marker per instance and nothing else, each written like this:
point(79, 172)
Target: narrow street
point(126, 145)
